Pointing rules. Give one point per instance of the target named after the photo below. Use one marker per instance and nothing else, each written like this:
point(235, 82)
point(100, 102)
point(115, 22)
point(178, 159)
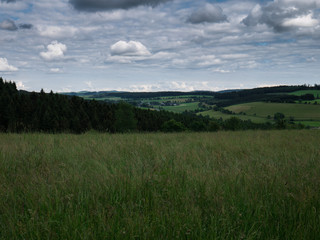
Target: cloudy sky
point(153, 45)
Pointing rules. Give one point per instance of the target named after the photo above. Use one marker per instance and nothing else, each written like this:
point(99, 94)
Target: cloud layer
point(159, 44)
point(102, 5)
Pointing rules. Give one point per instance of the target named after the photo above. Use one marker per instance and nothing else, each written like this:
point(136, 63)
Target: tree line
point(22, 111)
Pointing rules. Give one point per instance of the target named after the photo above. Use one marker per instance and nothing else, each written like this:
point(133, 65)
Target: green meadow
point(224, 185)
point(316, 93)
point(224, 116)
point(182, 107)
point(303, 112)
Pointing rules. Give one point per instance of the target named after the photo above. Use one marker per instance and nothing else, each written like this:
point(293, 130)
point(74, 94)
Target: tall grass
point(225, 185)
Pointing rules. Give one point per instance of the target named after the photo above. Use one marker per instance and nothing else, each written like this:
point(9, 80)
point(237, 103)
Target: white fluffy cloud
point(131, 48)
point(301, 21)
point(55, 51)
point(5, 67)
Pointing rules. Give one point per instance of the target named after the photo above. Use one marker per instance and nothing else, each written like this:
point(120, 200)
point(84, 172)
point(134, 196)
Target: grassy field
point(298, 111)
point(316, 93)
point(224, 185)
point(309, 123)
point(182, 107)
point(224, 116)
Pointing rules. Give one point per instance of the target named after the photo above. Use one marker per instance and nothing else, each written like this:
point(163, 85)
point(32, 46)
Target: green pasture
point(302, 112)
point(309, 123)
point(316, 93)
point(181, 107)
point(224, 116)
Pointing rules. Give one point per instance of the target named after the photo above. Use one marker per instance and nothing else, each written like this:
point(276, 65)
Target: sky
point(159, 45)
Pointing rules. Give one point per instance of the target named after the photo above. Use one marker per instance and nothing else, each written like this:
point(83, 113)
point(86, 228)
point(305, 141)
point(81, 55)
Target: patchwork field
point(224, 185)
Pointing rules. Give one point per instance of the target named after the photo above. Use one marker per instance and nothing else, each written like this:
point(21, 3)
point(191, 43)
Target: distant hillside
point(23, 111)
point(217, 104)
point(225, 94)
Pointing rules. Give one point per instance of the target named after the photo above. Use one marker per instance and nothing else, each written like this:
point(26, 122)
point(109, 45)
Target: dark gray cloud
point(209, 13)
point(8, 1)
point(25, 26)
point(8, 25)
point(101, 5)
point(282, 15)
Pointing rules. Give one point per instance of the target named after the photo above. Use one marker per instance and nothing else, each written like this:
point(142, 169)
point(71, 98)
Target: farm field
point(300, 112)
point(309, 123)
point(316, 93)
point(182, 107)
point(224, 185)
point(224, 116)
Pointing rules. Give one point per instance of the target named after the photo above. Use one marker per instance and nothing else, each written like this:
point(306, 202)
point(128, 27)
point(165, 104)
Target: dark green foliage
point(28, 112)
point(233, 124)
point(173, 126)
point(213, 126)
point(266, 94)
point(307, 97)
point(278, 116)
point(280, 120)
point(125, 119)
point(198, 126)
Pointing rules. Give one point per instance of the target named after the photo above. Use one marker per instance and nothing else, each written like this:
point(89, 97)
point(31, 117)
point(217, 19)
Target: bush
point(173, 126)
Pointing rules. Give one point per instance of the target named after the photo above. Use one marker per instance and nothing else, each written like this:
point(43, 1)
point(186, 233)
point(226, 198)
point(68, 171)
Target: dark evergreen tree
point(173, 126)
point(124, 118)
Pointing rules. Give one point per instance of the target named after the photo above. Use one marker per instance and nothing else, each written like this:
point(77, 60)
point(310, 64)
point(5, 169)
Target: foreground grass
point(225, 185)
